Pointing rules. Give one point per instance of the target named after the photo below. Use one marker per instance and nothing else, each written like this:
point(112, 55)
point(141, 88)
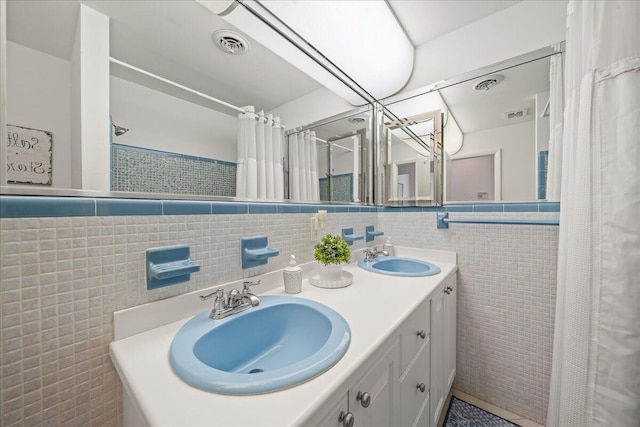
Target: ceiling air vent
point(356, 120)
point(488, 82)
point(230, 42)
point(515, 114)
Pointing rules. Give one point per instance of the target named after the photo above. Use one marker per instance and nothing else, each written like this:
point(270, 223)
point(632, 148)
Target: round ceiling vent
point(230, 42)
point(488, 82)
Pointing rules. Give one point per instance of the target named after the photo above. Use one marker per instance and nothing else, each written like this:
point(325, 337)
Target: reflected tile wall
point(150, 171)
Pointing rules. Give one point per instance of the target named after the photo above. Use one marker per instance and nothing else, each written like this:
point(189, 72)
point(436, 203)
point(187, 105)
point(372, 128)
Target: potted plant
point(331, 252)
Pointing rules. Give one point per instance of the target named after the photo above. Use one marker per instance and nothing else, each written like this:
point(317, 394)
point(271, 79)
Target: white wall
point(317, 105)
point(38, 97)
point(516, 30)
point(161, 122)
point(518, 157)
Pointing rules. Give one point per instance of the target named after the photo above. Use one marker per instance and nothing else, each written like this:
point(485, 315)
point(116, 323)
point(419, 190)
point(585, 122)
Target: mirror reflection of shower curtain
point(259, 167)
point(356, 168)
point(303, 158)
point(556, 113)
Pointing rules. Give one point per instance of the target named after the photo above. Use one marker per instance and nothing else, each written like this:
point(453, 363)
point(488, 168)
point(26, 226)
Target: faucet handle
point(218, 294)
point(247, 285)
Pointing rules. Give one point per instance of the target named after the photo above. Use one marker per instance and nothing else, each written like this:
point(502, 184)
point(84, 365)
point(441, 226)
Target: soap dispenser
point(388, 247)
point(292, 277)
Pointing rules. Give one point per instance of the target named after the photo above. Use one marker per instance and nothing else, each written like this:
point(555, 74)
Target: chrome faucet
point(235, 302)
point(371, 254)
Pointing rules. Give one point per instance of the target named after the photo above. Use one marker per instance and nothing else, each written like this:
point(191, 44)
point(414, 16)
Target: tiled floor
point(517, 419)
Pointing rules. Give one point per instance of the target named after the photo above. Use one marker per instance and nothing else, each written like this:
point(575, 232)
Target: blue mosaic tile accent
point(463, 414)
point(119, 207)
point(341, 188)
point(27, 207)
point(185, 207)
point(543, 165)
point(151, 171)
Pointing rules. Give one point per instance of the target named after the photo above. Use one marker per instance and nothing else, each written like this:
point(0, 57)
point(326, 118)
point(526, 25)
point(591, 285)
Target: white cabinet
point(372, 399)
point(437, 355)
point(449, 307)
point(415, 373)
point(443, 345)
point(407, 382)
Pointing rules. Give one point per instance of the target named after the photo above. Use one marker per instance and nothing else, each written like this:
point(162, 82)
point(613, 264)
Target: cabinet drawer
point(412, 400)
point(410, 338)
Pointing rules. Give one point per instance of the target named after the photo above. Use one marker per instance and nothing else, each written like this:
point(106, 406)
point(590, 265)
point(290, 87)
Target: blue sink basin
point(397, 266)
point(280, 343)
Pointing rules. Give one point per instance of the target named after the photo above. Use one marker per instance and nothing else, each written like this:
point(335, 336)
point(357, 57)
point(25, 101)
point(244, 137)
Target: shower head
point(119, 130)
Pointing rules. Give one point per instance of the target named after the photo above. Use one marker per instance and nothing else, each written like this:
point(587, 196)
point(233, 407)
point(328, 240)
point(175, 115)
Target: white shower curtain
point(278, 173)
point(259, 166)
point(595, 377)
point(556, 111)
point(303, 160)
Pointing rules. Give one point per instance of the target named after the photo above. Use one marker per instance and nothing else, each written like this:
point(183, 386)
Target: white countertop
point(373, 306)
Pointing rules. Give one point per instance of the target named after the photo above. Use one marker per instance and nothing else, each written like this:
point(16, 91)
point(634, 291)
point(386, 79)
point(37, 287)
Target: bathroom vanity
point(397, 371)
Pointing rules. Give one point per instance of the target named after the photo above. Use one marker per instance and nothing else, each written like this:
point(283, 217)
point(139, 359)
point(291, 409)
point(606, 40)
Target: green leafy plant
point(332, 249)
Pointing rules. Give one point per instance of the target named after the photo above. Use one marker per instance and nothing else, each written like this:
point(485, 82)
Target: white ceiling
point(168, 38)
point(172, 38)
point(425, 20)
point(478, 110)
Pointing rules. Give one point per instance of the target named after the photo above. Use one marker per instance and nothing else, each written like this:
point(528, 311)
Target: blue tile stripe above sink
point(38, 206)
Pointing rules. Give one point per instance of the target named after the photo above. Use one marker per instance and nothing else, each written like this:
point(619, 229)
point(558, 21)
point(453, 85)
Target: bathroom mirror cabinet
point(416, 148)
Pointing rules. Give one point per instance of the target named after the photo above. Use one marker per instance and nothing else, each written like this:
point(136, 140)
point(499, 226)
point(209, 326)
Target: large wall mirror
point(165, 136)
point(495, 136)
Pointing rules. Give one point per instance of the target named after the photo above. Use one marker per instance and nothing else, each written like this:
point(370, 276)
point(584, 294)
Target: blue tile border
point(39, 206)
point(229, 208)
point(120, 207)
point(26, 207)
point(185, 207)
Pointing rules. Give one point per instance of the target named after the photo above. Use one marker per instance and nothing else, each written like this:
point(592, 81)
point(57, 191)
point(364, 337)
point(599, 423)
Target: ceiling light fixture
point(328, 31)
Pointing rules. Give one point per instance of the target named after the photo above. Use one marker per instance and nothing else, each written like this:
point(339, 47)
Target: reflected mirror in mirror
point(412, 149)
point(162, 138)
point(496, 128)
point(341, 145)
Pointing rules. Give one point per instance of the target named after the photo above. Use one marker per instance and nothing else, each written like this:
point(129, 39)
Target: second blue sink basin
point(280, 343)
point(397, 266)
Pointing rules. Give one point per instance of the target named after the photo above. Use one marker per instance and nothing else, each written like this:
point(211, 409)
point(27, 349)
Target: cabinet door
point(438, 364)
point(333, 414)
point(378, 391)
point(449, 307)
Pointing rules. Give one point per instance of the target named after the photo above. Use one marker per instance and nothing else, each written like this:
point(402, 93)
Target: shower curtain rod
point(335, 145)
point(178, 85)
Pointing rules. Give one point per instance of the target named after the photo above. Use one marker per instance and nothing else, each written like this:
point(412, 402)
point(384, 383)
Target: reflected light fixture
point(346, 37)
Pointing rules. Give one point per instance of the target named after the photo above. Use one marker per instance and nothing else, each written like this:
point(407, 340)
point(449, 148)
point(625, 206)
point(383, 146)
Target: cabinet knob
point(346, 419)
point(364, 398)
point(421, 387)
point(447, 290)
point(422, 334)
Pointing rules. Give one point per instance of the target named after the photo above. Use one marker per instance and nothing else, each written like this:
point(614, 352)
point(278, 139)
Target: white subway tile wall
point(62, 279)
point(506, 302)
